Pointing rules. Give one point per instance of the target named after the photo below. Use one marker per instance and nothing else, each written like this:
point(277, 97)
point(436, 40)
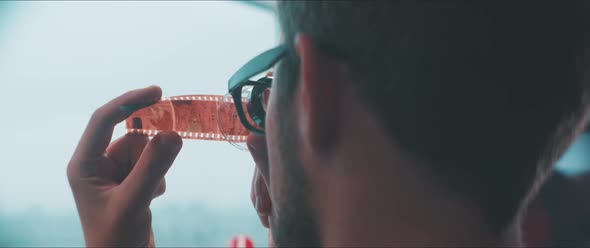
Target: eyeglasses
point(252, 112)
point(211, 117)
point(250, 97)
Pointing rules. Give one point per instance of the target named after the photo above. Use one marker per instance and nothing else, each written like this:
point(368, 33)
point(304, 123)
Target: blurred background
point(61, 60)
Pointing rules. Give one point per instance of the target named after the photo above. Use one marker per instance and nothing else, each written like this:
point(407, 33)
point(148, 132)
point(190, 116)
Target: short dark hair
point(490, 93)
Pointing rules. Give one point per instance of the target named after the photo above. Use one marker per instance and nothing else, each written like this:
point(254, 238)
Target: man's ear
point(319, 114)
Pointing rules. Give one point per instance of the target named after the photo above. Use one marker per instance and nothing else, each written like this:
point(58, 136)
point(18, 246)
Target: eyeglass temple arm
point(256, 65)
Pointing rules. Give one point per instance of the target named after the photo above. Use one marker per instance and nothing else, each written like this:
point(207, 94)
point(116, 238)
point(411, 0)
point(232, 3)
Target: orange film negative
point(203, 117)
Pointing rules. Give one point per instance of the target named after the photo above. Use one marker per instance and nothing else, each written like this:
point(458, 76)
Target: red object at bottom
point(537, 227)
point(241, 241)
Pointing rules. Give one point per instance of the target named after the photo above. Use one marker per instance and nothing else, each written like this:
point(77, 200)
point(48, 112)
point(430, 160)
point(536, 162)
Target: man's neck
point(370, 192)
point(357, 215)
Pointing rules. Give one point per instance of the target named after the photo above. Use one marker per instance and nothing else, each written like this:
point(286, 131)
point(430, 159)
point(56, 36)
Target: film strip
point(202, 117)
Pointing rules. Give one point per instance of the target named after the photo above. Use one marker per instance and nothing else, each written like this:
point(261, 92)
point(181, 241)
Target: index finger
point(99, 130)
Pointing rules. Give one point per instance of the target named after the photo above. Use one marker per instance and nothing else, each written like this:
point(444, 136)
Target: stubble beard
point(295, 223)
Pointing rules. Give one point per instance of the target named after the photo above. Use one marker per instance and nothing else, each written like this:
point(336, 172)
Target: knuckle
point(71, 172)
point(103, 114)
point(161, 189)
point(98, 114)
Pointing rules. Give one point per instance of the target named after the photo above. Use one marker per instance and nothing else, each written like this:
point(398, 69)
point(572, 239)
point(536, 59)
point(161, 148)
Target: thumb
point(137, 190)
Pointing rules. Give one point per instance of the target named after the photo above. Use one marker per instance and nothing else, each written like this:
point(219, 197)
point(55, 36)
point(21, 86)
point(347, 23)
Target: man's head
point(484, 95)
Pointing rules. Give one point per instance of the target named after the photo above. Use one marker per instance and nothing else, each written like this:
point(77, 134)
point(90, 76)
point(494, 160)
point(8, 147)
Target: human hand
point(114, 184)
point(259, 193)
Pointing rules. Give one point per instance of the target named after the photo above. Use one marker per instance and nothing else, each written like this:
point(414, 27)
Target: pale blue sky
point(61, 60)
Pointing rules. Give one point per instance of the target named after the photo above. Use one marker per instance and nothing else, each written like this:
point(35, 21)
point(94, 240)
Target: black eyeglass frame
point(241, 78)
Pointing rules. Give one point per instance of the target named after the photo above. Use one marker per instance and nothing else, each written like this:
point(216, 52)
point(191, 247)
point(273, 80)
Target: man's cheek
point(270, 109)
point(271, 137)
point(271, 124)
point(272, 142)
